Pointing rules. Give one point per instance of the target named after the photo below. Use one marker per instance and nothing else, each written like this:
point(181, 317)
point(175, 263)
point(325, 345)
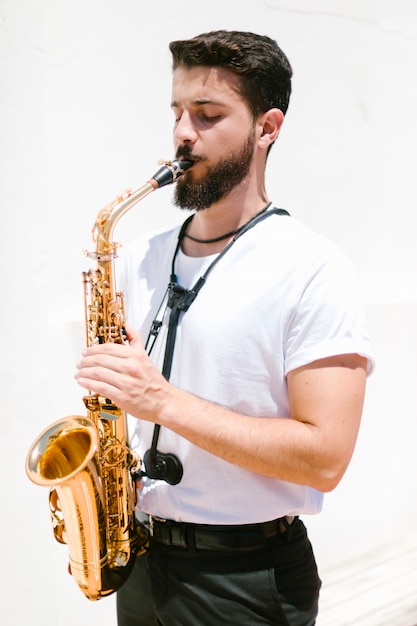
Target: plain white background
point(84, 113)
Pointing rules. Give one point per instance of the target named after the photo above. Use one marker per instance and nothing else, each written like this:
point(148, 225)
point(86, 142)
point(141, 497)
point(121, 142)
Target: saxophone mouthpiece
point(170, 171)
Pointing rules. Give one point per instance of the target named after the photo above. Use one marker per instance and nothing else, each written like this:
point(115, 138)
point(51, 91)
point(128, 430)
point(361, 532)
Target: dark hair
point(264, 70)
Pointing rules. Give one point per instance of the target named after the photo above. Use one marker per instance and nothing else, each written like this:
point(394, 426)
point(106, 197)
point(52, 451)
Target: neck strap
point(192, 293)
point(167, 466)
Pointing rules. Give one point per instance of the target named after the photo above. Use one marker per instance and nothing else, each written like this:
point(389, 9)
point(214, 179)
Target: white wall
point(84, 113)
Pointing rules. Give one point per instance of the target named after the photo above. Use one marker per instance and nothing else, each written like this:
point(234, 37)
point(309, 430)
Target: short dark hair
point(264, 70)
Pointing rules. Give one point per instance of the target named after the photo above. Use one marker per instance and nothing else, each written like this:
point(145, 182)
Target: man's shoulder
point(293, 234)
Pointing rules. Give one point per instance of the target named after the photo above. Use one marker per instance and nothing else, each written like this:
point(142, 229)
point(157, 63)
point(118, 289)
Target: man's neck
point(209, 226)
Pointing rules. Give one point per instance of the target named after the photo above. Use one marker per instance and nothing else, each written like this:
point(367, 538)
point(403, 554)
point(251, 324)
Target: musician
point(246, 401)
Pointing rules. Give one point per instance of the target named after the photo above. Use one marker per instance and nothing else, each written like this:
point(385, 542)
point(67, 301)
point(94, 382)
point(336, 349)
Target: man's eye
point(209, 118)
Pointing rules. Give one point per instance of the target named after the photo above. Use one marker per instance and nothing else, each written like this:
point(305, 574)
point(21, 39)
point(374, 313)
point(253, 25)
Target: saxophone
point(86, 461)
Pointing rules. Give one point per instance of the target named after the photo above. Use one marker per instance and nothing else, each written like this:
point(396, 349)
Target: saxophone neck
point(109, 216)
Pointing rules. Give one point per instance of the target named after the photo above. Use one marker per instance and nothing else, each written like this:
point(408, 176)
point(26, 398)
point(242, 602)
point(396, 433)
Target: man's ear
point(270, 123)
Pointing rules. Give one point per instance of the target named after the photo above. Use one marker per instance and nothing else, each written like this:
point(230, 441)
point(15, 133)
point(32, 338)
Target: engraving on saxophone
point(86, 461)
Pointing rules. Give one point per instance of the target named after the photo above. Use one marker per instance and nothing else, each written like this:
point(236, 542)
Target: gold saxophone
point(86, 461)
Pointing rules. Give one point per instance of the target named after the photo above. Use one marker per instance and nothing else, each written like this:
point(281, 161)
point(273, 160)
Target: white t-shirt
point(281, 297)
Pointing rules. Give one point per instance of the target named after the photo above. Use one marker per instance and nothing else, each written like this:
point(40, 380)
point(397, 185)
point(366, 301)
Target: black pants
point(277, 585)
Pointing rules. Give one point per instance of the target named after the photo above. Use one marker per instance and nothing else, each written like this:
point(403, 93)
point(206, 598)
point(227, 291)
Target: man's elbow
point(327, 478)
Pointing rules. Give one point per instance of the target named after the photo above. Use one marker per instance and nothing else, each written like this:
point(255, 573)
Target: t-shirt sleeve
point(329, 316)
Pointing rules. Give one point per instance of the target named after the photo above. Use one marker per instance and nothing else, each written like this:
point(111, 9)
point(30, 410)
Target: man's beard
point(219, 180)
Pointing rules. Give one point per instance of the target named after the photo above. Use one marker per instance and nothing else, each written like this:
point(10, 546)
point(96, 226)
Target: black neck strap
point(189, 295)
point(167, 466)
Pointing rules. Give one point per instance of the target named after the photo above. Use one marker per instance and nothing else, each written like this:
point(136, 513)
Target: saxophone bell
point(64, 457)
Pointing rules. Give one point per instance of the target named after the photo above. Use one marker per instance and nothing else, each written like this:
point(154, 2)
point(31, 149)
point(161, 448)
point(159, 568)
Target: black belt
point(243, 537)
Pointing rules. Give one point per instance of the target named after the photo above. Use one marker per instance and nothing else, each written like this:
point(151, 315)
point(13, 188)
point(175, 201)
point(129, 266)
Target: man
point(247, 400)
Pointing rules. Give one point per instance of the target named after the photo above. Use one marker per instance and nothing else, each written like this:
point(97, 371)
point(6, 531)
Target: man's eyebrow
point(200, 102)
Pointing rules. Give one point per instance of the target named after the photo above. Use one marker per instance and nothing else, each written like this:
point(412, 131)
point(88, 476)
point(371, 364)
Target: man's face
point(215, 128)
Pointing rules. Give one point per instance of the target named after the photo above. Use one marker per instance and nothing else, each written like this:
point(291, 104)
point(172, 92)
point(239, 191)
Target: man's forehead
point(204, 84)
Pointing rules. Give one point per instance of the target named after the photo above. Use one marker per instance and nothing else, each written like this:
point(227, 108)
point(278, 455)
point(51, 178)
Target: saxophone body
point(85, 460)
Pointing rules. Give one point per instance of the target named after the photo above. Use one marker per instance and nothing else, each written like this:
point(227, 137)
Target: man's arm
point(313, 446)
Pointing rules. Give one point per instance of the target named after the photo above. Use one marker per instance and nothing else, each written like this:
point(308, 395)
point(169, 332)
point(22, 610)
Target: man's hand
point(125, 374)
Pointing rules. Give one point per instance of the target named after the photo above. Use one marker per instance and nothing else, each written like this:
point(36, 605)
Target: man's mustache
point(185, 152)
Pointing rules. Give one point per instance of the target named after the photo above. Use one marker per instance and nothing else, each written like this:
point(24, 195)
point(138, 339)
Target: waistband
point(242, 537)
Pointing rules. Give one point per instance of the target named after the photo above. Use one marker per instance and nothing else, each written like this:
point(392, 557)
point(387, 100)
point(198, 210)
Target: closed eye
point(209, 118)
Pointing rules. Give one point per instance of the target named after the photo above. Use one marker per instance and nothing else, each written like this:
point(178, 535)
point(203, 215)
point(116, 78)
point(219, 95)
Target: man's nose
point(184, 131)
